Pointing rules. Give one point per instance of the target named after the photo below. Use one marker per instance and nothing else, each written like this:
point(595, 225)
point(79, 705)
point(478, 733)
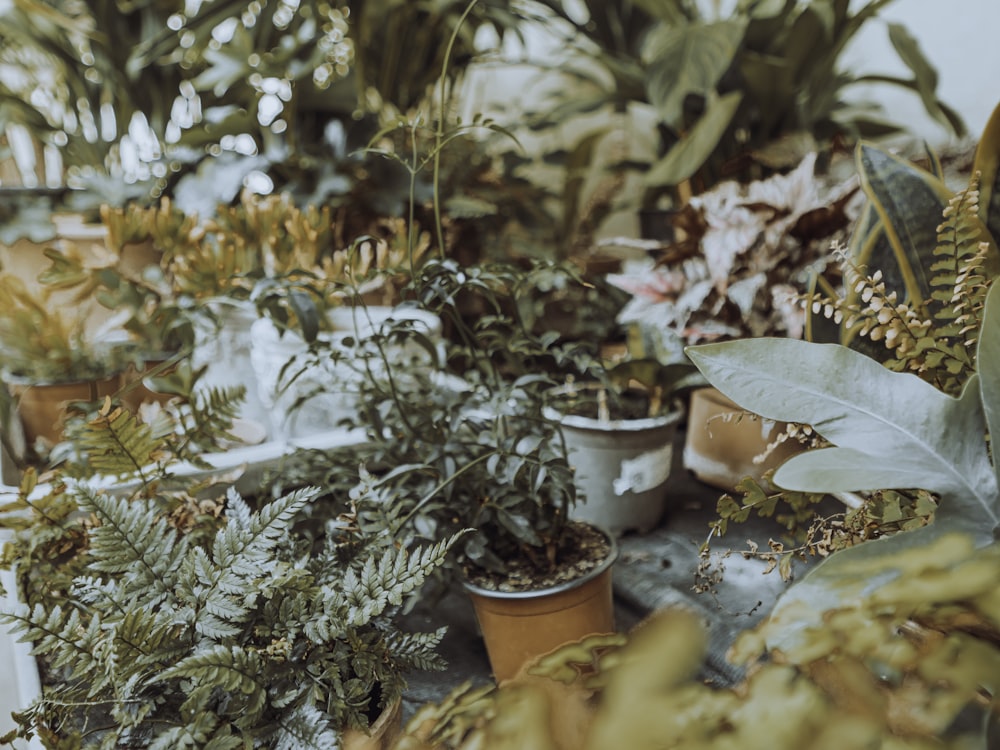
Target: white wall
point(961, 38)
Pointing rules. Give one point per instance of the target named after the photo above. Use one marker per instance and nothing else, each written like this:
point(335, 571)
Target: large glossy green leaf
point(909, 202)
point(687, 59)
point(892, 430)
point(988, 365)
point(690, 153)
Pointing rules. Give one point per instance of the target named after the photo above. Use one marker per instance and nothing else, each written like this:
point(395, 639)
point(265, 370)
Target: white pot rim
point(581, 422)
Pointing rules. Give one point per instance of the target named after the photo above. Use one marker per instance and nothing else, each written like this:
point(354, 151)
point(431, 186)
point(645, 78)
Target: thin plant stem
point(443, 101)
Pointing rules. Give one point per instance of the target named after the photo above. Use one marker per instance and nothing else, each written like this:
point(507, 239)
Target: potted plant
point(909, 292)
point(748, 252)
point(166, 613)
point(620, 432)
point(49, 363)
point(897, 663)
point(465, 445)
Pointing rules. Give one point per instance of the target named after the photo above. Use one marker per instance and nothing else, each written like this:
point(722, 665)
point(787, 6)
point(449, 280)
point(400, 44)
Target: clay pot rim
point(558, 588)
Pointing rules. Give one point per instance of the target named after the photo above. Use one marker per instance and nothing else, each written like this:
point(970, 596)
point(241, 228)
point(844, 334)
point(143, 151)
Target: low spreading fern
point(242, 638)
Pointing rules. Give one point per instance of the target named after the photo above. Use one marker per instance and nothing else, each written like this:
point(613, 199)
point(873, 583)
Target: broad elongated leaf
point(903, 432)
point(909, 203)
point(988, 365)
point(690, 153)
point(987, 163)
point(688, 59)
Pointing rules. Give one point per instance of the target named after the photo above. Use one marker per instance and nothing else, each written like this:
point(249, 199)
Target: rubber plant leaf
point(909, 202)
point(891, 430)
point(687, 59)
point(692, 151)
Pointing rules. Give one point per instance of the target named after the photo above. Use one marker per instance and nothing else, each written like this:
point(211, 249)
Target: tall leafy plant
point(731, 95)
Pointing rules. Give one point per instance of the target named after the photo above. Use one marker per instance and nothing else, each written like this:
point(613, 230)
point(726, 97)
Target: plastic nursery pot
point(381, 735)
point(621, 465)
point(305, 394)
point(725, 443)
point(518, 626)
point(42, 406)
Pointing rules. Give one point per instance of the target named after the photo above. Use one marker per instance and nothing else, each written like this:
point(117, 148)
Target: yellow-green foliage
point(890, 666)
point(165, 226)
point(40, 342)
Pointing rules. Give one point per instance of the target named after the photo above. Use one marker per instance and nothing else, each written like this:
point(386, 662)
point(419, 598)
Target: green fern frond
point(243, 543)
point(201, 731)
point(116, 443)
point(306, 728)
point(143, 639)
point(242, 553)
point(63, 634)
point(235, 670)
point(133, 540)
point(378, 584)
point(417, 650)
point(210, 415)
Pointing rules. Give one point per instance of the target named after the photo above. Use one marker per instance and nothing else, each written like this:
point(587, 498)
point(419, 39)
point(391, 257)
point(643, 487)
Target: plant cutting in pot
point(465, 445)
point(163, 617)
point(919, 419)
point(620, 432)
point(748, 251)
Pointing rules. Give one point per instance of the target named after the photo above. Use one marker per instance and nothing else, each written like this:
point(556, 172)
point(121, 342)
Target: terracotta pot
point(42, 407)
point(381, 735)
point(518, 626)
point(725, 443)
point(621, 467)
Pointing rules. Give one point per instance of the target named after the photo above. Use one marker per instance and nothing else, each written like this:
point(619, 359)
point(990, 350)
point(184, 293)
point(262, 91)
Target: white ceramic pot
point(621, 467)
point(311, 390)
point(224, 350)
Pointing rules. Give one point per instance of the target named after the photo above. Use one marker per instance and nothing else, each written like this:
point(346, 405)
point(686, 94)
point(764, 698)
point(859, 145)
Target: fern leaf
point(416, 650)
point(61, 634)
point(243, 544)
point(143, 639)
point(201, 730)
point(134, 541)
point(232, 669)
point(306, 728)
point(369, 591)
point(116, 443)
